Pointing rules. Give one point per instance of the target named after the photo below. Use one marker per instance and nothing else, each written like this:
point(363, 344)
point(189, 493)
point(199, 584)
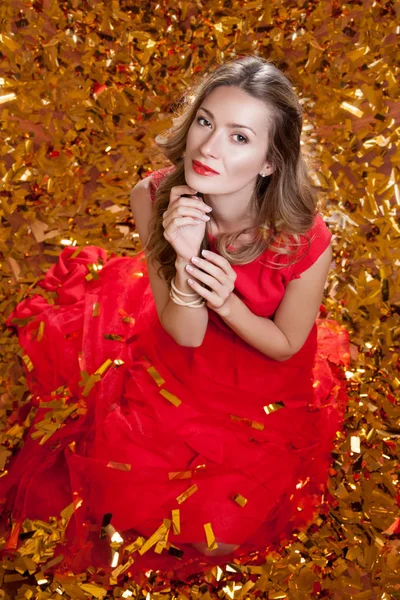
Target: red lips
point(199, 164)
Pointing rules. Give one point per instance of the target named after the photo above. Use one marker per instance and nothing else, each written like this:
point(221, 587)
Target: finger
point(193, 202)
point(220, 261)
point(174, 224)
point(179, 190)
point(186, 211)
point(212, 283)
point(210, 268)
point(186, 195)
point(208, 295)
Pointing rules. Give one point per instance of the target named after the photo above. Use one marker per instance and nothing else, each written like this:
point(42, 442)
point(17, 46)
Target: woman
point(196, 412)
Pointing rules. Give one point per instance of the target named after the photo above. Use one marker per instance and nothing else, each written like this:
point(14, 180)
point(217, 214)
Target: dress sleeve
point(155, 178)
point(313, 244)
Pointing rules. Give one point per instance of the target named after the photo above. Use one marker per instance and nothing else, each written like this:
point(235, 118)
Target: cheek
point(244, 162)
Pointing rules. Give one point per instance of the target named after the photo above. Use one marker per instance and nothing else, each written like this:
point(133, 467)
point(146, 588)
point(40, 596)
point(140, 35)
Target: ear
point(267, 170)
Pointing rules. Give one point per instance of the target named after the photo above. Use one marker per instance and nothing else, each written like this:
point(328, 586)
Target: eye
point(203, 119)
point(243, 139)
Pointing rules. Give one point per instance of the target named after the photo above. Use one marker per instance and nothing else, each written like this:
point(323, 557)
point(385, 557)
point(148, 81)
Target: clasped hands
point(215, 272)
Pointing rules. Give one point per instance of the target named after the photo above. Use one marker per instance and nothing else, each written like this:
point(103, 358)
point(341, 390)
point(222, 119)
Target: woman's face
point(228, 135)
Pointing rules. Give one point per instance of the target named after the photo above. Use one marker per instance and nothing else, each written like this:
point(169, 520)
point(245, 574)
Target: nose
point(211, 145)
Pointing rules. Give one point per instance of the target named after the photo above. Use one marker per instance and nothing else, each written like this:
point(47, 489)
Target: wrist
point(180, 262)
point(227, 309)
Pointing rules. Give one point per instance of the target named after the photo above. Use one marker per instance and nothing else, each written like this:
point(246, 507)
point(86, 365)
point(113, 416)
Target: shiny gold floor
point(84, 88)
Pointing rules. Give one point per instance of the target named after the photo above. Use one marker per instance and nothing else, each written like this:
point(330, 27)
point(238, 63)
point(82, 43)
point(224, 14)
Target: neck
point(231, 212)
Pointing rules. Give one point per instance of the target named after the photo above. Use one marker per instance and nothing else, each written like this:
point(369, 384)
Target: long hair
point(285, 201)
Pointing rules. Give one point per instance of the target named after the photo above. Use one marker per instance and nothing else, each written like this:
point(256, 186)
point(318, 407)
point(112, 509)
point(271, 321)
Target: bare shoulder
point(142, 208)
point(140, 192)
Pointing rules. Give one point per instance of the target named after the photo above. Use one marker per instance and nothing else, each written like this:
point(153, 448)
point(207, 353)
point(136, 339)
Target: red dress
point(218, 440)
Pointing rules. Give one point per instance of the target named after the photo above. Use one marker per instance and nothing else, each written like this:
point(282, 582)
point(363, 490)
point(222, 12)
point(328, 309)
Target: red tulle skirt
point(168, 446)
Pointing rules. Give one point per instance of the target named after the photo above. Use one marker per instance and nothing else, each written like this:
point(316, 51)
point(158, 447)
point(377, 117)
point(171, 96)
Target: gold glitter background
point(85, 86)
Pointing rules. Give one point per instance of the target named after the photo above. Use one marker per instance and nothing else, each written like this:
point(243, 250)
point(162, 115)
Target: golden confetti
point(210, 537)
point(170, 397)
point(156, 376)
point(176, 520)
point(248, 422)
point(270, 408)
point(159, 535)
point(239, 499)
point(72, 158)
point(40, 331)
point(187, 493)
point(180, 475)
point(28, 362)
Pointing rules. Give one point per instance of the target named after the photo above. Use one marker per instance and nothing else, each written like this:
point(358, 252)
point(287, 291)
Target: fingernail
point(208, 208)
point(204, 252)
point(195, 259)
point(189, 268)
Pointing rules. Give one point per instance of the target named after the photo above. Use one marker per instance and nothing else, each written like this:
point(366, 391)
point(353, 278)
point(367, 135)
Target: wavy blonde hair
point(285, 201)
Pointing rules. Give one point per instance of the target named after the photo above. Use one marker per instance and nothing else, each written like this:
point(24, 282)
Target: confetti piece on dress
point(180, 475)
point(122, 568)
point(176, 521)
point(114, 337)
point(270, 408)
point(28, 362)
point(187, 493)
point(156, 375)
point(119, 466)
point(135, 546)
point(40, 331)
point(248, 422)
point(159, 535)
point(170, 397)
point(239, 499)
point(91, 380)
point(103, 368)
point(210, 537)
point(96, 309)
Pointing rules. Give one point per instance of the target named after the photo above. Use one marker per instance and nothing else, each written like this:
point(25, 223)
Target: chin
point(199, 183)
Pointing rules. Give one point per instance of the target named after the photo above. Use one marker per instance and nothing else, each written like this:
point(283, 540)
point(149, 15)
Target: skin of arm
point(186, 325)
point(284, 335)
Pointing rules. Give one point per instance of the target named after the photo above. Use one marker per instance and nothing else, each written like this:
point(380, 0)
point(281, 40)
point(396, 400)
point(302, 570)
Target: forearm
point(185, 324)
point(259, 332)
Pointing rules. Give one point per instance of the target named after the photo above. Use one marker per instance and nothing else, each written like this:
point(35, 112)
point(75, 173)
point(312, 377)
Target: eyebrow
point(229, 124)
